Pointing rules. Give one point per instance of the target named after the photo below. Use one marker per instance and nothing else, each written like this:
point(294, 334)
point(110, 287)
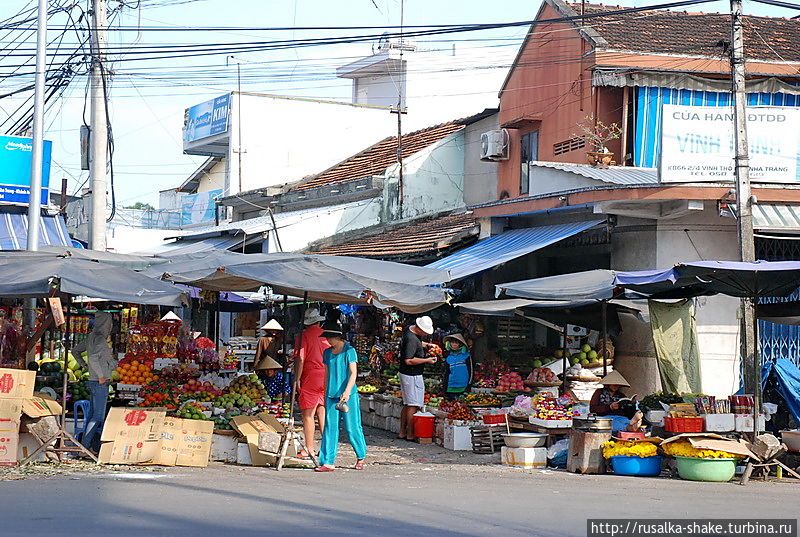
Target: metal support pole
point(743, 194)
point(604, 314)
point(37, 151)
point(564, 361)
point(99, 129)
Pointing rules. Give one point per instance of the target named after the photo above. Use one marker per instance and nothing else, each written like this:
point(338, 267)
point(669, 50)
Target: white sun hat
point(312, 316)
point(425, 324)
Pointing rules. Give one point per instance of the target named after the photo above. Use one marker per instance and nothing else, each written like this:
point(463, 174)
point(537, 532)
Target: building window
point(568, 145)
point(528, 154)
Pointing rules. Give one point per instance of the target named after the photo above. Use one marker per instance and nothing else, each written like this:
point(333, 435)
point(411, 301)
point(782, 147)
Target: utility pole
point(750, 360)
point(98, 163)
point(400, 94)
point(37, 152)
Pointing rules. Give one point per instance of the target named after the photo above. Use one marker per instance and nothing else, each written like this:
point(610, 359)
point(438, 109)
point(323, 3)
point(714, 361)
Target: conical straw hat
point(614, 378)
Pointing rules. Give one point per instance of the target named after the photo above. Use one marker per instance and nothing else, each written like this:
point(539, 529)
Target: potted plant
point(596, 135)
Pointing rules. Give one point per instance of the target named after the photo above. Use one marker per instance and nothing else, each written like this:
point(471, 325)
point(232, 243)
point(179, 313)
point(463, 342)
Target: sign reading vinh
point(697, 144)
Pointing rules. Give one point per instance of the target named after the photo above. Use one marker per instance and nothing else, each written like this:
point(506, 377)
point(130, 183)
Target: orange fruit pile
point(135, 372)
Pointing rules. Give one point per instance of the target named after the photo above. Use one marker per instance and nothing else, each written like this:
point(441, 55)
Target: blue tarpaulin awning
point(14, 231)
point(509, 245)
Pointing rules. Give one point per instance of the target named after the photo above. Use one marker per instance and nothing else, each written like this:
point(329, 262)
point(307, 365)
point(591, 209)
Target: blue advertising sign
point(206, 119)
point(199, 208)
point(15, 169)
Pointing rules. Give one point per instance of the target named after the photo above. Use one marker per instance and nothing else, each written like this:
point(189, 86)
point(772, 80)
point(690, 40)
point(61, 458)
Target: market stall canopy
point(295, 274)
point(20, 277)
point(588, 285)
point(509, 245)
point(133, 262)
point(586, 313)
point(732, 278)
point(779, 312)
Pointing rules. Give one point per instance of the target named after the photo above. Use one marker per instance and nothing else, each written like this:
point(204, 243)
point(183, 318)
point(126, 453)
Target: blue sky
point(148, 97)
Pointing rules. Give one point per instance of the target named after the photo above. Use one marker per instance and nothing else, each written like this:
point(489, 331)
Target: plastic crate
point(494, 419)
point(684, 425)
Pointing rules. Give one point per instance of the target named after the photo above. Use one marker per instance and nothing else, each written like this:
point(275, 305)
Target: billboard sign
point(697, 143)
point(15, 169)
point(199, 208)
point(206, 119)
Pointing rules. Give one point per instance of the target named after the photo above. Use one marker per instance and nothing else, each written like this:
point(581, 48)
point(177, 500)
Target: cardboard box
point(10, 416)
point(131, 436)
point(39, 407)
point(712, 441)
point(550, 424)
point(17, 383)
point(27, 445)
point(184, 443)
point(251, 428)
point(524, 457)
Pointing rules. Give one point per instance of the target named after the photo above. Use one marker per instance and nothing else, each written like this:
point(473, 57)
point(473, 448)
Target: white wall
point(480, 177)
point(285, 139)
point(214, 178)
point(703, 237)
point(298, 229)
point(433, 179)
point(443, 85)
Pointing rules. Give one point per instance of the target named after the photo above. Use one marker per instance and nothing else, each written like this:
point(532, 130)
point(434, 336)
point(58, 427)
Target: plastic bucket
point(697, 469)
point(639, 466)
point(424, 425)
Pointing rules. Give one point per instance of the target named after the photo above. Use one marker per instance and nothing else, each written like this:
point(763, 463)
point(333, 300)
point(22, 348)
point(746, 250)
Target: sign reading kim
point(15, 169)
point(697, 144)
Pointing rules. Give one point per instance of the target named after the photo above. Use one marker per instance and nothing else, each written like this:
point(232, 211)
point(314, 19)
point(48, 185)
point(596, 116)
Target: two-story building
point(653, 76)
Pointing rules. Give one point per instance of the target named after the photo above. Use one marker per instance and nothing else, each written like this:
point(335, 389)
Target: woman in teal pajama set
point(340, 387)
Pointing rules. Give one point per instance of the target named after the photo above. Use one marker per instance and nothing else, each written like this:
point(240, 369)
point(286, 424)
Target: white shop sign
point(697, 143)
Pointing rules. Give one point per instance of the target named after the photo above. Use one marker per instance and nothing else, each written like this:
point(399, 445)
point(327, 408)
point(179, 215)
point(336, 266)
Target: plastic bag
point(558, 447)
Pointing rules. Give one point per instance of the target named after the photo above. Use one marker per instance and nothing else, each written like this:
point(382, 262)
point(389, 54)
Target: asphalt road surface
point(407, 490)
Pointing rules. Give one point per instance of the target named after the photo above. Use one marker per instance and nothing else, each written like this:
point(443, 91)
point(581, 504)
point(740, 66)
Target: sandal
point(359, 465)
point(323, 469)
point(303, 456)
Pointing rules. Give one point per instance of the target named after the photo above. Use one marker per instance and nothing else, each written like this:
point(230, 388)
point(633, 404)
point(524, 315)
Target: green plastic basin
point(697, 469)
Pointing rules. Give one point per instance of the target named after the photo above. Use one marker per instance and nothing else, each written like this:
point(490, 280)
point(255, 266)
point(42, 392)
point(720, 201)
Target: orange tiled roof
point(375, 159)
point(414, 240)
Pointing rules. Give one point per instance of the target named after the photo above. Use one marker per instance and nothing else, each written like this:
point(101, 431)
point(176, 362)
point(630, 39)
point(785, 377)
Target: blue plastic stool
point(85, 408)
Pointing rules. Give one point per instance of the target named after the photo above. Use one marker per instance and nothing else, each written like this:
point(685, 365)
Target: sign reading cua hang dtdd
point(697, 144)
point(15, 169)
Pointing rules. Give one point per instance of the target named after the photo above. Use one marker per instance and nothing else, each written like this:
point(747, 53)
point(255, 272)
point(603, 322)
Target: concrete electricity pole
point(752, 369)
point(98, 155)
point(37, 152)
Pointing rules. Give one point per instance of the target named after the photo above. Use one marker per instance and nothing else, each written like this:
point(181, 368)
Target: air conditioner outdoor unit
point(494, 145)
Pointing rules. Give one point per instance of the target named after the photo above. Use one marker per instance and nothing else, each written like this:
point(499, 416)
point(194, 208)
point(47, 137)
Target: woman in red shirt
point(310, 375)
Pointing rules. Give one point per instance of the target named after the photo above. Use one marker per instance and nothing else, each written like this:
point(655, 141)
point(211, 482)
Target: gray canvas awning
point(681, 81)
point(37, 276)
point(325, 278)
point(588, 285)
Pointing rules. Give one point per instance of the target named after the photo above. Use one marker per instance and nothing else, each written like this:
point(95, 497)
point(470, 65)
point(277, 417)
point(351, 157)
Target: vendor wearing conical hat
point(608, 402)
point(267, 349)
point(267, 365)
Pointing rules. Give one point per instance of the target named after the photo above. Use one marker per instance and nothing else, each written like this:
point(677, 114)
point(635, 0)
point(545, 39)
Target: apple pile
point(542, 374)
point(510, 381)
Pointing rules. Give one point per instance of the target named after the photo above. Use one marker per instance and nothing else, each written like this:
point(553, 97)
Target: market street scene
point(399, 267)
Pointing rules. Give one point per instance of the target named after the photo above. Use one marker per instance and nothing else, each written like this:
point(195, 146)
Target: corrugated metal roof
point(618, 175)
point(262, 224)
point(507, 246)
point(776, 217)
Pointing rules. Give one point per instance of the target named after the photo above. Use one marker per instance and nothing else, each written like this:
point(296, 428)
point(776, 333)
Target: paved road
point(408, 489)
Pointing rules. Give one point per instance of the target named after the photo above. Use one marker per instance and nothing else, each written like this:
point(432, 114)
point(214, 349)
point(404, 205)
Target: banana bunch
point(683, 448)
point(632, 449)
